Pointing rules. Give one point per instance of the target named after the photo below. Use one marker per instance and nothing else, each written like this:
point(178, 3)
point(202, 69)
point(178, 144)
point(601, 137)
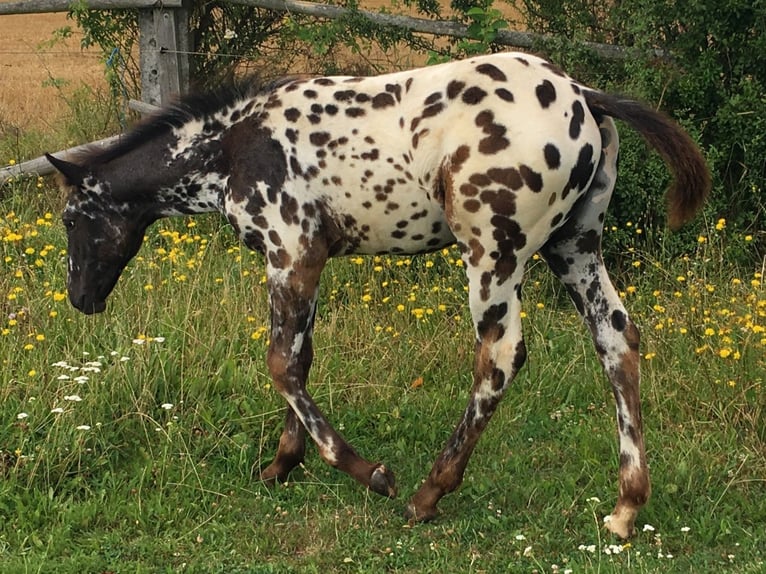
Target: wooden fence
point(164, 44)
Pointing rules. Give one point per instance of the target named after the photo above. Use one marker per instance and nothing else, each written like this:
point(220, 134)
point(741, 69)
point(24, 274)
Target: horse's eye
point(69, 224)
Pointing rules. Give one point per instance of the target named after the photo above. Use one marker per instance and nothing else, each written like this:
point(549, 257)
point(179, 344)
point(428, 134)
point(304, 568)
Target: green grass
point(165, 479)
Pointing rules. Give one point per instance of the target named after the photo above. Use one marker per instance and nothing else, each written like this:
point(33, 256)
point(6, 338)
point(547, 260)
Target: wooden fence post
point(163, 45)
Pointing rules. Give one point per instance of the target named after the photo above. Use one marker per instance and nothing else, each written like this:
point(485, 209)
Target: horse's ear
point(73, 173)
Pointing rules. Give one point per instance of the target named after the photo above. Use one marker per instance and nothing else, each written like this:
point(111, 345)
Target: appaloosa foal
point(503, 154)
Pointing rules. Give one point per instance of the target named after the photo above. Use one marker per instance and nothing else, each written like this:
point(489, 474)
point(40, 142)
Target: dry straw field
point(30, 66)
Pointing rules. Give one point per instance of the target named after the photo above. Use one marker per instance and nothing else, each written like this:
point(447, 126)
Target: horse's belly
point(407, 220)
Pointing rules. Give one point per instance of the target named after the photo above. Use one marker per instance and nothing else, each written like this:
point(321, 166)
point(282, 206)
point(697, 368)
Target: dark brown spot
point(292, 114)
point(501, 202)
point(492, 71)
point(582, 171)
point(459, 158)
point(508, 177)
point(533, 179)
point(344, 95)
point(382, 100)
point(319, 138)
point(546, 93)
point(619, 320)
point(355, 112)
point(454, 88)
point(490, 320)
point(432, 110)
point(474, 95)
point(552, 156)
point(433, 98)
point(504, 94)
point(577, 120)
point(472, 205)
point(480, 179)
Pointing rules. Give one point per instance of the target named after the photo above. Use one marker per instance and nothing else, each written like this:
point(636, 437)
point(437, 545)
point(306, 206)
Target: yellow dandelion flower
point(701, 239)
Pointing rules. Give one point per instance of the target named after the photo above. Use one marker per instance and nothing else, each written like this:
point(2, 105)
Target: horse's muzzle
point(88, 306)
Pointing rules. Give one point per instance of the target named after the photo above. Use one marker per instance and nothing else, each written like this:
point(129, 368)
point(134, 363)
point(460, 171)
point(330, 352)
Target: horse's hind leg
point(495, 300)
point(574, 255)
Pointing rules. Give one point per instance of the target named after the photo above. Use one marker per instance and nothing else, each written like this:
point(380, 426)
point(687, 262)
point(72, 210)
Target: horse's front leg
point(293, 305)
point(291, 450)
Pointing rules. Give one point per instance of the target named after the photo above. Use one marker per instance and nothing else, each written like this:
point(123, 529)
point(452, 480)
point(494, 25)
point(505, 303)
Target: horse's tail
point(691, 178)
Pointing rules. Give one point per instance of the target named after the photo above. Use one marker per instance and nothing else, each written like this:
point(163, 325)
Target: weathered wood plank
point(43, 6)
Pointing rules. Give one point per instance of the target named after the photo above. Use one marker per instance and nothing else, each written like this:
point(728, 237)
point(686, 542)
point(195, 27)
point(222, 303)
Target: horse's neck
point(195, 193)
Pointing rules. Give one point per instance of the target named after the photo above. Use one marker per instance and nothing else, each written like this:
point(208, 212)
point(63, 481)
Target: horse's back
point(384, 153)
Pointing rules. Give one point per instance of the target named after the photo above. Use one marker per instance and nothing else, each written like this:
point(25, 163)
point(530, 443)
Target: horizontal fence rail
point(44, 6)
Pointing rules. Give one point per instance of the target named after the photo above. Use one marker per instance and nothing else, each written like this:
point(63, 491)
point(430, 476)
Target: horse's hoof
point(415, 515)
point(621, 522)
point(382, 482)
point(271, 476)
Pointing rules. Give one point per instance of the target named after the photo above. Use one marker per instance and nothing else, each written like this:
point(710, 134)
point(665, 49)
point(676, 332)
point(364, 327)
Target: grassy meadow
point(131, 441)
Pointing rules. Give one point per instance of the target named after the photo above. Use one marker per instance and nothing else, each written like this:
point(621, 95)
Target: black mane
point(193, 106)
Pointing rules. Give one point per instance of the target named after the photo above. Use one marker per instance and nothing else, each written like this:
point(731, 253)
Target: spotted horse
point(503, 154)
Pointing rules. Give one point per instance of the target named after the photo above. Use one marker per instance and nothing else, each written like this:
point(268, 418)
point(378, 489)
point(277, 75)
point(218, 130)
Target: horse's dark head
point(103, 234)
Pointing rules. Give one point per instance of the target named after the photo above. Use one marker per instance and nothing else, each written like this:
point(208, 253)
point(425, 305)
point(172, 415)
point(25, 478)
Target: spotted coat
point(503, 154)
